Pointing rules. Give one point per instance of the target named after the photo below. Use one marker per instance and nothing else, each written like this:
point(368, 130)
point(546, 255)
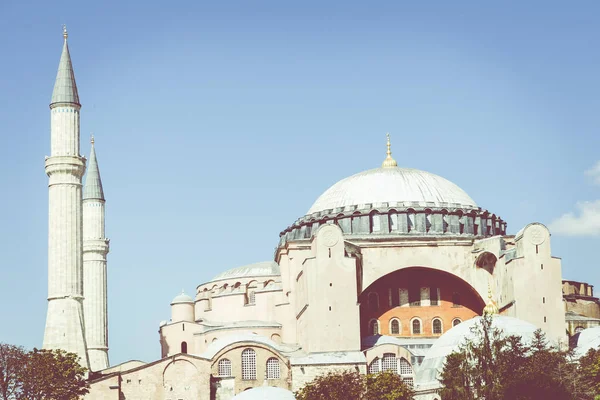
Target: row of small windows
point(414, 297)
point(249, 366)
point(416, 326)
point(65, 110)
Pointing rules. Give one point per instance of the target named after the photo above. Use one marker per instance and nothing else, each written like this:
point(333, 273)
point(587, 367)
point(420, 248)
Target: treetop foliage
point(40, 374)
point(495, 366)
point(352, 385)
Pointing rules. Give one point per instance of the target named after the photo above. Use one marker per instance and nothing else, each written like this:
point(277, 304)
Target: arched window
point(456, 321)
point(373, 301)
point(273, 370)
point(416, 326)
point(395, 327)
point(389, 363)
point(224, 367)
point(184, 347)
point(249, 364)
point(409, 382)
point(374, 327)
point(437, 326)
point(405, 367)
point(374, 366)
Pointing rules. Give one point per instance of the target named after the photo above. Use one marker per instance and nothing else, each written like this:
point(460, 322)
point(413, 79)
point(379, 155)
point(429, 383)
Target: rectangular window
point(403, 297)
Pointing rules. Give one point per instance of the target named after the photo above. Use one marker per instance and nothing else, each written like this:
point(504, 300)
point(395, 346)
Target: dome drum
point(396, 221)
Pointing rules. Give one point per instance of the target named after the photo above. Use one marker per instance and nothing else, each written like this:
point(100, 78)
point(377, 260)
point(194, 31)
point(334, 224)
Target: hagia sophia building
point(387, 270)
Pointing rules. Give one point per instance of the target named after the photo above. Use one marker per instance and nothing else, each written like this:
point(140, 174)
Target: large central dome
point(391, 184)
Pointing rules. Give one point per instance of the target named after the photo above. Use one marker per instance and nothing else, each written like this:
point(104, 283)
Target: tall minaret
point(65, 327)
point(95, 249)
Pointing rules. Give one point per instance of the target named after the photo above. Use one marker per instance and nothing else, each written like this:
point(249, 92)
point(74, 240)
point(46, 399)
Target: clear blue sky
point(218, 123)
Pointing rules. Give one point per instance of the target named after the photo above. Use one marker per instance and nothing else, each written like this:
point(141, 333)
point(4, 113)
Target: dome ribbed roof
point(393, 185)
point(265, 268)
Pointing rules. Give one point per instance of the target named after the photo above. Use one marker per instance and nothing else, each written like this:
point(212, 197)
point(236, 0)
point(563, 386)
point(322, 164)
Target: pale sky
point(218, 124)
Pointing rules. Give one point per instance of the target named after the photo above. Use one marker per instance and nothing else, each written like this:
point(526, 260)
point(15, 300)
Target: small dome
point(588, 339)
point(393, 185)
point(265, 393)
point(427, 374)
point(182, 298)
point(266, 268)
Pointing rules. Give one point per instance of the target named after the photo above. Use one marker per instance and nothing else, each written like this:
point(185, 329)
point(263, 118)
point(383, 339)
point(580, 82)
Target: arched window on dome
point(184, 347)
point(393, 220)
point(395, 327)
point(416, 326)
point(456, 321)
point(273, 370)
point(373, 301)
point(437, 326)
point(374, 327)
point(251, 293)
point(375, 222)
point(224, 367)
point(389, 363)
point(249, 364)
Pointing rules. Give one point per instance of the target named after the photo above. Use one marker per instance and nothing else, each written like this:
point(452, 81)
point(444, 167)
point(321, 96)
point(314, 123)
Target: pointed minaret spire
point(389, 162)
point(93, 184)
point(65, 88)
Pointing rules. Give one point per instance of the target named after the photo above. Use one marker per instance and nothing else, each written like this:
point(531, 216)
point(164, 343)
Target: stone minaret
point(65, 327)
point(95, 249)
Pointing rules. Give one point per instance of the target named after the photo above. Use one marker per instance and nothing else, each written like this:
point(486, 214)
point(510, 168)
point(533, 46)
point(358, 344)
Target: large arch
point(420, 293)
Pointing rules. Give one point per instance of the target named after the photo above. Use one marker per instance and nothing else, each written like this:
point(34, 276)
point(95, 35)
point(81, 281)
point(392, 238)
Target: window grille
point(224, 367)
point(416, 325)
point(251, 297)
point(374, 366)
point(409, 382)
point(273, 370)
point(395, 327)
point(437, 326)
point(249, 364)
point(389, 363)
point(405, 368)
point(374, 327)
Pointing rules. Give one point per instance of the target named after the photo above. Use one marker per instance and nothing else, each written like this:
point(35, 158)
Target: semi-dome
point(588, 339)
point(265, 268)
point(393, 185)
point(427, 374)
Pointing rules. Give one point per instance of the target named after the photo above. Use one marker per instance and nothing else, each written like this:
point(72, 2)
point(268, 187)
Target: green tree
point(387, 386)
point(589, 371)
point(11, 365)
point(352, 385)
point(456, 378)
point(52, 375)
point(334, 386)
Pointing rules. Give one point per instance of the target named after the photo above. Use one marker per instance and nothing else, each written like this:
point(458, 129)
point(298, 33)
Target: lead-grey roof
point(265, 268)
point(65, 88)
point(93, 183)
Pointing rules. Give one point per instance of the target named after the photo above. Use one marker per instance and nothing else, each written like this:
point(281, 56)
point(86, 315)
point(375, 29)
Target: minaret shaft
point(95, 249)
point(65, 327)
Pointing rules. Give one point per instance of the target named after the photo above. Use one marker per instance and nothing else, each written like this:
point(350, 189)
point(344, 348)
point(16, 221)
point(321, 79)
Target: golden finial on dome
point(491, 308)
point(389, 162)
point(65, 34)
